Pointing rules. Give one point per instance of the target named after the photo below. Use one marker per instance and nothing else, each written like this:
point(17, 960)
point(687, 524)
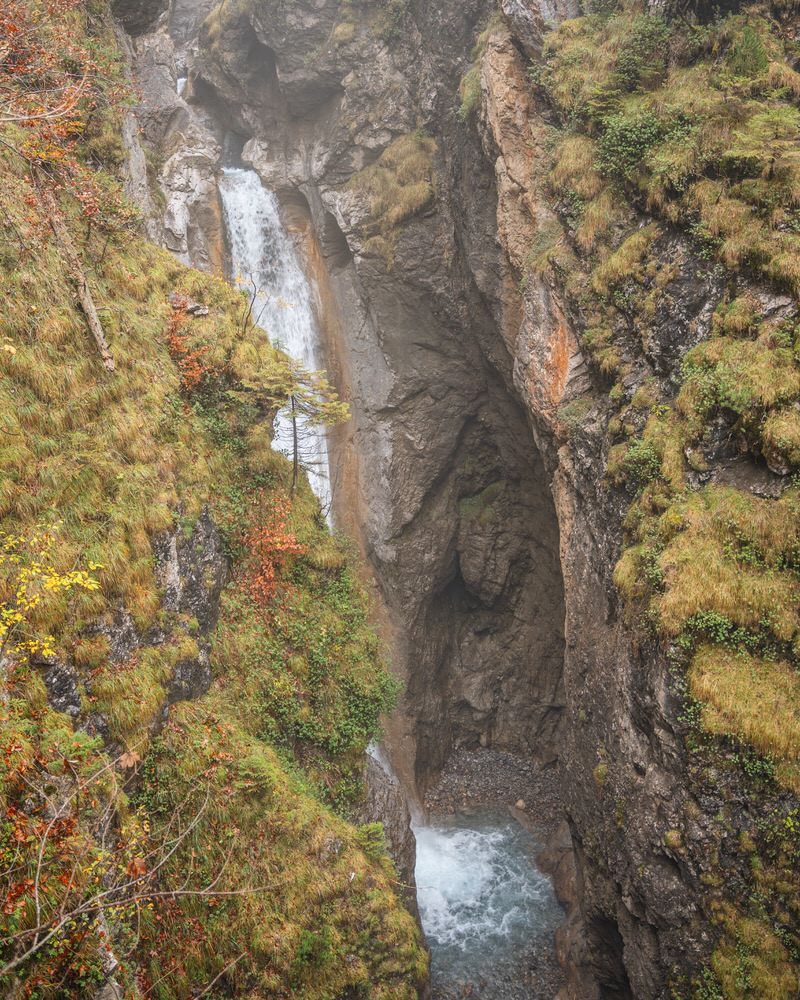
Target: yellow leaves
point(53, 581)
point(29, 566)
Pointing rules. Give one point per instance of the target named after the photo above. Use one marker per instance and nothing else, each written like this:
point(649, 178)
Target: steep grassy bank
point(180, 822)
point(674, 172)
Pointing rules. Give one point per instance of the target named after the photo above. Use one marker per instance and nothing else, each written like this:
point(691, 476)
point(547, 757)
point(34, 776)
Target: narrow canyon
point(489, 532)
point(567, 480)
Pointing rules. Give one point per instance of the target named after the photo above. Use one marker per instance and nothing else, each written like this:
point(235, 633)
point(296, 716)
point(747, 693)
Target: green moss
point(470, 92)
point(673, 839)
point(399, 186)
point(480, 507)
point(575, 412)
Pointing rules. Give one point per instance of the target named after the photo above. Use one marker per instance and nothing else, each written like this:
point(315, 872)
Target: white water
point(482, 901)
point(265, 265)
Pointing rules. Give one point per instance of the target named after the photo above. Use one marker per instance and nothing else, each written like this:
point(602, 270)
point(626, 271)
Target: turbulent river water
point(483, 905)
point(265, 265)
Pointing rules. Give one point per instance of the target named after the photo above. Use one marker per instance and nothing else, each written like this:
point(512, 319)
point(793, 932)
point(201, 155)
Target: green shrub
point(629, 136)
point(625, 141)
point(640, 463)
point(748, 56)
point(642, 60)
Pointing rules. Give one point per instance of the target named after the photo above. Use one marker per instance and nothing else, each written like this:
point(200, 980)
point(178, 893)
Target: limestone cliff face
point(484, 513)
point(439, 479)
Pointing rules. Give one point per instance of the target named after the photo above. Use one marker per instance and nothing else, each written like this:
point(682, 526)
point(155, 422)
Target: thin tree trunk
point(296, 462)
point(78, 276)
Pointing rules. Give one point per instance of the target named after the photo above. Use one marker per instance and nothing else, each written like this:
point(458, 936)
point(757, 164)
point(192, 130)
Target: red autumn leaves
point(192, 368)
point(269, 545)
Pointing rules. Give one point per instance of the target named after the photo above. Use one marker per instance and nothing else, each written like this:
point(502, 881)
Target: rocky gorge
point(484, 510)
point(412, 161)
point(550, 252)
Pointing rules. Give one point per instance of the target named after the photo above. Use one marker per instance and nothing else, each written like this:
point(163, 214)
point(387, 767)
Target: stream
point(487, 911)
point(265, 265)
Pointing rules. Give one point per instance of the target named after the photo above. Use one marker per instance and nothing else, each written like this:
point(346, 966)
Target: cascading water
point(264, 263)
point(483, 905)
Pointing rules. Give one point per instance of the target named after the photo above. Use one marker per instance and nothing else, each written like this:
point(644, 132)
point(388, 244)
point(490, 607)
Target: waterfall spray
point(264, 262)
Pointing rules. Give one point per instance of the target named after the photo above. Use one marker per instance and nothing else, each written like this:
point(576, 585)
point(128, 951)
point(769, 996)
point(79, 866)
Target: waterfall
point(264, 263)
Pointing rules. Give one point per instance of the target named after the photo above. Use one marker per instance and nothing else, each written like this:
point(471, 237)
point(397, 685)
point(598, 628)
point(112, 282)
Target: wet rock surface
point(386, 803)
point(63, 693)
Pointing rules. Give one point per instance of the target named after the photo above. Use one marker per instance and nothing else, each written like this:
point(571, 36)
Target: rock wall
point(440, 477)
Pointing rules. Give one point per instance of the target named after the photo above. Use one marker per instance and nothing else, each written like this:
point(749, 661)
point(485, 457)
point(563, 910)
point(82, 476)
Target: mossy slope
point(269, 759)
point(675, 172)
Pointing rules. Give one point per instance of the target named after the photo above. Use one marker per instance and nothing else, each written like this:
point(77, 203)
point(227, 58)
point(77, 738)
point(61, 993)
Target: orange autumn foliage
point(191, 367)
point(270, 545)
point(56, 85)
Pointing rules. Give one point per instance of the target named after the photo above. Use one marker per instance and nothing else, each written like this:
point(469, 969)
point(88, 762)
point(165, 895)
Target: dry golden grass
point(780, 435)
point(629, 577)
point(399, 186)
point(666, 437)
point(749, 697)
point(751, 963)
point(583, 53)
point(625, 263)
point(738, 318)
point(784, 77)
point(116, 459)
point(734, 113)
point(264, 829)
point(573, 167)
point(745, 374)
point(344, 33)
point(773, 526)
point(702, 571)
point(783, 266)
point(598, 217)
